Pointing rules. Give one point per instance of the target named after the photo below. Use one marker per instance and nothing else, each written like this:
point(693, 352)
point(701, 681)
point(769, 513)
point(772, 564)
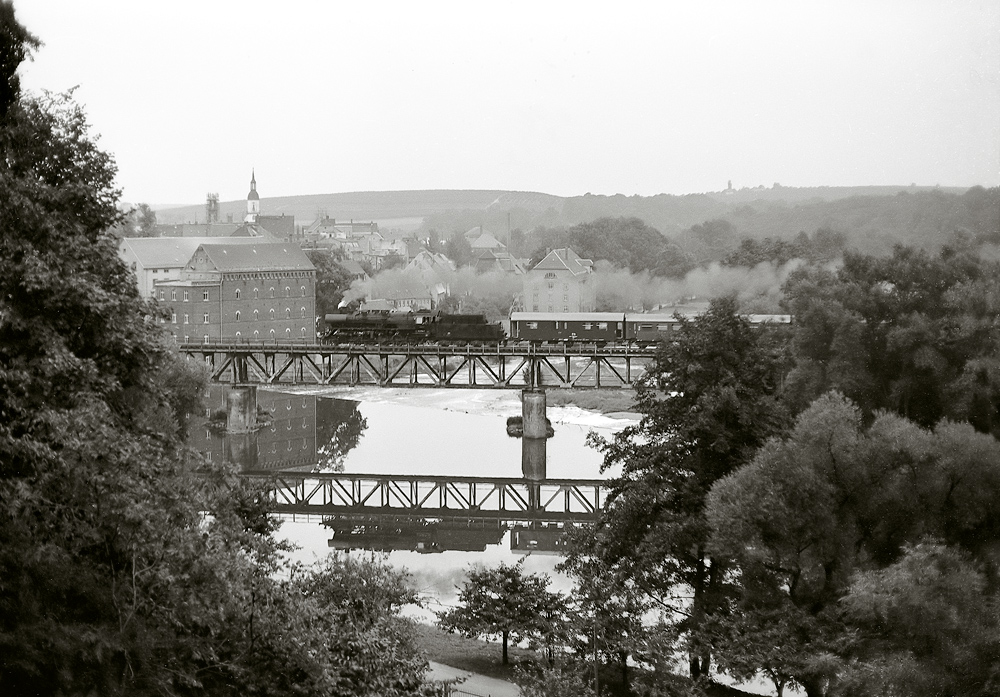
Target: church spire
point(253, 199)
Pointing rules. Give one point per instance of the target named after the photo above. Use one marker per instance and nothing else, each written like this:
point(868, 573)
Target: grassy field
point(469, 654)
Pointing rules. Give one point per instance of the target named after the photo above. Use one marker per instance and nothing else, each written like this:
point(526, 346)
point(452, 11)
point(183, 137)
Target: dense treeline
point(817, 507)
point(128, 565)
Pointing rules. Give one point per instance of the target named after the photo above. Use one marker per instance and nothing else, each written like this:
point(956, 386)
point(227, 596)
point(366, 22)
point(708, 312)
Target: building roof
point(490, 260)
point(487, 241)
point(352, 267)
point(166, 252)
point(564, 259)
point(262, 256)
point(567, 316)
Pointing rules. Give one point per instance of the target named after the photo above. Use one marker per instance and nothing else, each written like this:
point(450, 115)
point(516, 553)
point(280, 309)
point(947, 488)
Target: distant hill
point(370, 205)
point(872, 218)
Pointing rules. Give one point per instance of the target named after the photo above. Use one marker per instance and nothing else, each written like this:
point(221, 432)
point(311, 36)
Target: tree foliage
point(332, 281)
point(128, 565)
point(912, 333)
point(505, 603)
point(708, 401)
point(828, 512)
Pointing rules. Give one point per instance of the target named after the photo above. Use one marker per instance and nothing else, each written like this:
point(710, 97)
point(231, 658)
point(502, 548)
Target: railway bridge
point(524, 366)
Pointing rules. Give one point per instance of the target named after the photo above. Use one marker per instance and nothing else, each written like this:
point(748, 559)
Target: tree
point(503, 602)
point(834, 500)
point(128, 564)
point(708, 401)
point(332, 280)
point(911, 333)
point(458, 249)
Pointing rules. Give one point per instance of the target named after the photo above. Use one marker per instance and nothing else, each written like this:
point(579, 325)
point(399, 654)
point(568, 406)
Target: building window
point(237, 315)
point(205, 318)
point(162, 294)
point(303, 289)
point(272, 333)
point(237, 335)
point(272, 315)
point(288, 292)
point(173, 318)
point(303, 312)
point(204, 295)
point(256, 334)
point(256, 315)
point(186, 296)
point(187, 319)
point(256, 293)
point(272, 291)
point(187, 339)
point(288, 333)
point(303, 332)
point(206, 339)
point(288, 313)
point(551, 284)
point(237, 293)
point(173, 295)
point(565, 286)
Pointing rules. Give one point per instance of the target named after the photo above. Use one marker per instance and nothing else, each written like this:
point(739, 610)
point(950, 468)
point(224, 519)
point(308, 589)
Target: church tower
point(253, 200)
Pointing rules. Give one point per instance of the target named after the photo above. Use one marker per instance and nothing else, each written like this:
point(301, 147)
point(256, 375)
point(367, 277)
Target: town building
point(154, 259)
point(241, 290)
point(561, 282)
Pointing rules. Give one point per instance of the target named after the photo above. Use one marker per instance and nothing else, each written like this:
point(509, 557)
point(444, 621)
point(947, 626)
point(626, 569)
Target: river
point(411, 431)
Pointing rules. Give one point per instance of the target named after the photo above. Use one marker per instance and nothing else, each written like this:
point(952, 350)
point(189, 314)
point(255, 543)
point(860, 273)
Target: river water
point(411, 431)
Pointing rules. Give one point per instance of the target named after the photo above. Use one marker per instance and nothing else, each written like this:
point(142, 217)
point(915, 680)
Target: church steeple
point(253, 200)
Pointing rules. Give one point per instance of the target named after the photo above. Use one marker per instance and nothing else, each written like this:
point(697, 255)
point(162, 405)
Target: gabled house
point(561, 282)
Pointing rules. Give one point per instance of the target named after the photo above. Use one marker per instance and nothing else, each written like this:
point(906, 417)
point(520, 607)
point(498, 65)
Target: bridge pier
point(241, 409)
point(533, 455)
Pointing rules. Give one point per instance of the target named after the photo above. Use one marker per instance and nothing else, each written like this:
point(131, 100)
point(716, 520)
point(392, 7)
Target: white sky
point(558, 97)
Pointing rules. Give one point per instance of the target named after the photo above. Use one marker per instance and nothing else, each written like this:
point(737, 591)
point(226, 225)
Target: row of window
point(205, 297)
point(239, 315)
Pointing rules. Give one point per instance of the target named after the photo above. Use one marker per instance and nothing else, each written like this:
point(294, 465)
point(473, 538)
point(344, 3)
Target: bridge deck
point(509, 366)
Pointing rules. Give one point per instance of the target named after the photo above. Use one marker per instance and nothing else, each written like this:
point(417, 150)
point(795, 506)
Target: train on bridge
point(533, 328)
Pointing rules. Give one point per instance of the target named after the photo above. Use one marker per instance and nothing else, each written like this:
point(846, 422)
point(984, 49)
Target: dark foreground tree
point(708, 402)
point(127, 565)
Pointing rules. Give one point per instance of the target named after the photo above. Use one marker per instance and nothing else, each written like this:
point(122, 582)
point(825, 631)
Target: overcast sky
point(558, 97)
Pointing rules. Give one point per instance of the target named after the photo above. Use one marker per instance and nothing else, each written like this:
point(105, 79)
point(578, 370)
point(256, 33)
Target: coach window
point(603, 326)
point(588, 326)
point(532, 325)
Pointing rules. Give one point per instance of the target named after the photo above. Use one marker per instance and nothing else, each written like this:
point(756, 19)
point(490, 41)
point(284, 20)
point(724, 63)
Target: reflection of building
point(561, 282)
point(288, 441)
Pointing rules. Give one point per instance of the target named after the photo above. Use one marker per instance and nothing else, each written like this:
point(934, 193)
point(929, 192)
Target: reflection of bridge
point(506, 499)
point(422, 365)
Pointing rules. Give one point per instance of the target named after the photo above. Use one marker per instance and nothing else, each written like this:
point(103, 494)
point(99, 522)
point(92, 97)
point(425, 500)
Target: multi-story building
point(246, 290)
point(561, 282)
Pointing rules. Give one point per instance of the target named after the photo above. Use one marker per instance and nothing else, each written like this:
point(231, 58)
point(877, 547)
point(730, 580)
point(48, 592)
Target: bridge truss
point(506, 499)
point(423, 365)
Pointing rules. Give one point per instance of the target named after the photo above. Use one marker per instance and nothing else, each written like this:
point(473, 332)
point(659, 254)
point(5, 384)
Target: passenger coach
point(567, 327)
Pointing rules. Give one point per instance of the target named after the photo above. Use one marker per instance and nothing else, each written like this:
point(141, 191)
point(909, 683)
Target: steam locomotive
point(601, 328)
